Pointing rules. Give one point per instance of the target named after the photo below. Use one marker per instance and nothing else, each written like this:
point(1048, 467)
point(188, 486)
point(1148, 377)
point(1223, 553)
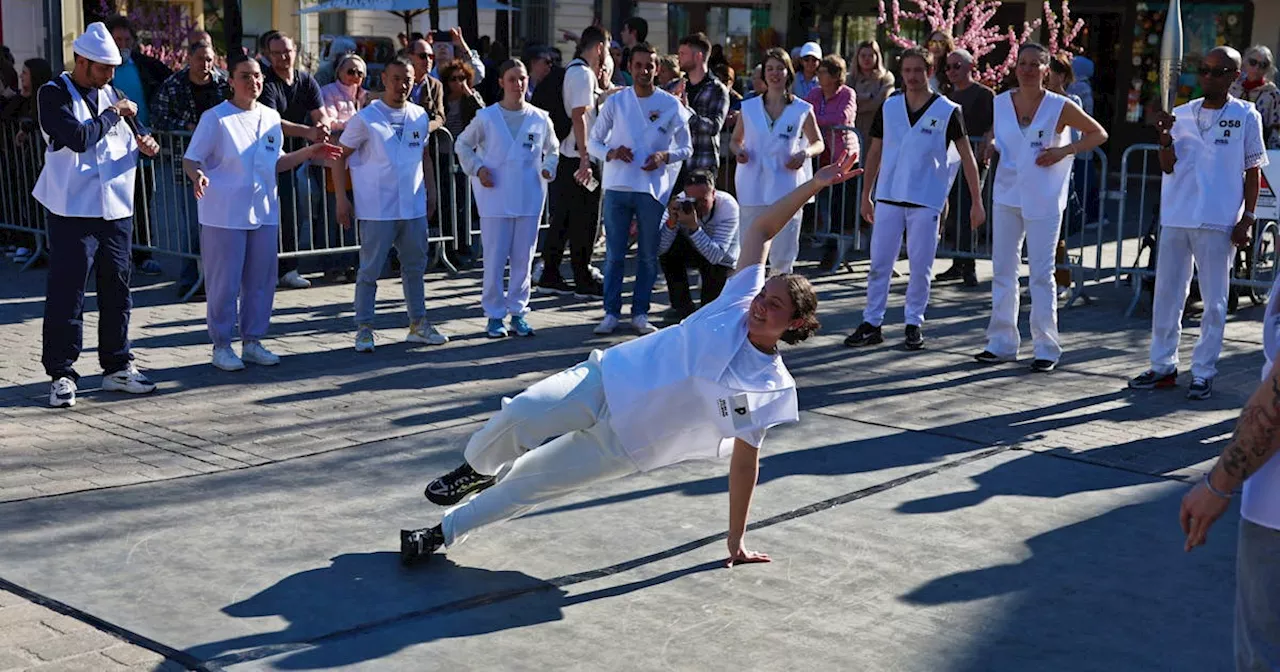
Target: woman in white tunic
point(510, 152)
point(775, 145)
point(709, 387)
point(232, 162)
point(1032, 136)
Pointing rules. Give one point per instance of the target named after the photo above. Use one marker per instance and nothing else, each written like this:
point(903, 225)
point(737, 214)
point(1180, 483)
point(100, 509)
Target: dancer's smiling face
point(772, 312)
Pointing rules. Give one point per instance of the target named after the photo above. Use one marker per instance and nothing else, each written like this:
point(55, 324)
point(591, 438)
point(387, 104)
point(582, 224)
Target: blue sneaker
point(521, 327)
point(496, 328)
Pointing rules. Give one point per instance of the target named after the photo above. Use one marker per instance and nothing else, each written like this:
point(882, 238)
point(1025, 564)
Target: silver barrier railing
point(21, 155)
point(1253, 271)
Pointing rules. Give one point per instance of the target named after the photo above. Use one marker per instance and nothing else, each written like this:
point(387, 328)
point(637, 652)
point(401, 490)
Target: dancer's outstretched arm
point(755, 240)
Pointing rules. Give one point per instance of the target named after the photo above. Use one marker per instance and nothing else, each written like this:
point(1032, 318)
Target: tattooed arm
point(1256, 439)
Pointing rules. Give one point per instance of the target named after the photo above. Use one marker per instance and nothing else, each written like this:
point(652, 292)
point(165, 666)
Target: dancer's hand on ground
point(739, 555)
point(486, 178)
point(1200, 510)
point(868, 209)
point(977, 216)
point(838, 171)
point(1240, 234)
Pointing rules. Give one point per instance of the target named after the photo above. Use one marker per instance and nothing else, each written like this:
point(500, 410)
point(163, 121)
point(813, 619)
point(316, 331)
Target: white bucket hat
point(97, 45)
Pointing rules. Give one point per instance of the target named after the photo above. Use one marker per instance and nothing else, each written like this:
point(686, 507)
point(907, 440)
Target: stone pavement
point(325, 398)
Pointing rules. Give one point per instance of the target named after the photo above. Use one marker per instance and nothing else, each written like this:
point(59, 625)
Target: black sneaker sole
point(445, 500)
point(914, 345)
point(553, 291)
point(409, 554)
point(1157, 384)
point(1200, 397)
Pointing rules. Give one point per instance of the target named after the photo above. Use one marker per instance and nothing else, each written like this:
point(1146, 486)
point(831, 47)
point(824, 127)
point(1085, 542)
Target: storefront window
point(1204, 26)
point(738, 29)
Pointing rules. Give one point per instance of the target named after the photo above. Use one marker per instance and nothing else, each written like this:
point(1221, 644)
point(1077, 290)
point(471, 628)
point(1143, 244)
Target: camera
point(443, 36)
point(686, 204)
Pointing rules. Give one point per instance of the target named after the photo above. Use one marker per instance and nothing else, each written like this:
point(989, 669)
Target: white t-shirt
point(394, 116)
point(237, 150)
point(749, 365)
point(580, 90)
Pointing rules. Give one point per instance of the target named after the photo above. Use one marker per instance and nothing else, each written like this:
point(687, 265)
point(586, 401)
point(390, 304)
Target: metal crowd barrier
point(1254, 273)
point(21, 155)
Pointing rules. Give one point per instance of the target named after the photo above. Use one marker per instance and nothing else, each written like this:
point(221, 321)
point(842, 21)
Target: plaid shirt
point(177, 107)
point(709, 101)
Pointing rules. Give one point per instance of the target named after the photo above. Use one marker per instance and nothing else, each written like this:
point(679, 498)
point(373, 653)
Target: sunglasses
point(458, 78)
point(355, 72)
point(1206, 71)
point(1259, 64)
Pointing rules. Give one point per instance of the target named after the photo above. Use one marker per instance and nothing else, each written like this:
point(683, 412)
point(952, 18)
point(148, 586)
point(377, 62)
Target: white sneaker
point(423, 331)
point(129, 380)
point(641, 324)
point(255, 353)
point(606, 326)
point(292, 280)
point(225, 358)
point(62, 394)
point(596, 274)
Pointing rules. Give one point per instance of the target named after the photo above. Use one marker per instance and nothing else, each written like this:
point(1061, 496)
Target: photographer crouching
point(700, 230)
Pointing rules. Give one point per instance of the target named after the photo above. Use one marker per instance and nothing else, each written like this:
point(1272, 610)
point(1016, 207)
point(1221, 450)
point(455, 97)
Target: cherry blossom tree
point(970, 23)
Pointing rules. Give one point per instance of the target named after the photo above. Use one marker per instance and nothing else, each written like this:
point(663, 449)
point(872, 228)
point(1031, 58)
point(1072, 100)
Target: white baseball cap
point(811, 49)
point(97, 45)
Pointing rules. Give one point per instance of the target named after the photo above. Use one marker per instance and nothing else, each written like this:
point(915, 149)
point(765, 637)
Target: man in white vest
point(1248, 459)
point(87, 186)
point(707, 388)
point(1211, 153)
point(911, 137)
point(385, 146)
point(642, 136)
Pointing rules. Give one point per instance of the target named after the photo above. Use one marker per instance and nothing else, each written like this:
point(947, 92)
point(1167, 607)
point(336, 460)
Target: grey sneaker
point(364, 339)
point(1201, 388)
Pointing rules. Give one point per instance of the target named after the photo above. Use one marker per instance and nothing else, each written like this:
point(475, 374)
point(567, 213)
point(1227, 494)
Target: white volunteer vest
point(914, 160)
point(765, 178)
point(1040, 192)
point(1207, 185)
point(95, 183)
point(515, 163)
point(1260, 503)
point(386, 171)
point(645, 137)
point(242, 183)
point(665, 400)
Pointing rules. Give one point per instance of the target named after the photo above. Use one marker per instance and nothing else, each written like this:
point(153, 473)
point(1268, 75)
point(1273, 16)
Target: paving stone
point(66, 646)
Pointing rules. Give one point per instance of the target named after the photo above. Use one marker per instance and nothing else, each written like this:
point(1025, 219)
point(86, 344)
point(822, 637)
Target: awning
point(399, 5)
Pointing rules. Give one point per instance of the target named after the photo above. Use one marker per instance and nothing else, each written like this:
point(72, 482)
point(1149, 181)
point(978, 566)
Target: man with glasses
point(1211, 153)
point(296, 96)
point(427, 91)
point(977, 107)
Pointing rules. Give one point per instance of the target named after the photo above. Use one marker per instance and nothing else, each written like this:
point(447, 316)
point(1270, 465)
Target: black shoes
point(970, 278)
point(591, 290)
point(418, 545)
point(988, 357)
point(1043, 365)
point(914, 339)
point(1153, 380)
point(954, 273)
point(864, 335)
point(453, 486)
point(554, 286)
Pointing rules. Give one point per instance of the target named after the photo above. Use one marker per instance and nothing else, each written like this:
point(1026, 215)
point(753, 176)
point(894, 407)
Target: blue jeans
point(619, 209)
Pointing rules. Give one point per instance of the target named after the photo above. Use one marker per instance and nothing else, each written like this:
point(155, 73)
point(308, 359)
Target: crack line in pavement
point(465, 604)
point(129, 636)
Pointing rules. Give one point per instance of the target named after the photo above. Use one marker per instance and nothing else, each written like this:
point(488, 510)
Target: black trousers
point(575, 219)
point(676, 263)
point(77, 246)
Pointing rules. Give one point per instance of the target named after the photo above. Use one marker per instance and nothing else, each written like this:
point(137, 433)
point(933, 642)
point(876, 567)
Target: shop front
point(744, 28)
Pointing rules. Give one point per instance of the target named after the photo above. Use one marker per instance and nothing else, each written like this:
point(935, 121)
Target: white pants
point(785, 246)
point(569, 409)
point(921, 227)
point(514, 239)
point(1009, 229)
point(1211, 251)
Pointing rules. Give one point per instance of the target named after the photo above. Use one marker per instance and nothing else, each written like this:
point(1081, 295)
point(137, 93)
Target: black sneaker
point(956, 272)
point(970, 279)
point(589, 290)
point(988, 357)
point(1152, 380)
point(1043, 365)
point(418, 545)
point(1201, 388)
point(453, 486)
point(555, 286)
point(866, 334)
point(914, 339)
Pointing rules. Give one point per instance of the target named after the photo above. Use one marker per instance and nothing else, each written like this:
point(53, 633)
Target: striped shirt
point(717, 235)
